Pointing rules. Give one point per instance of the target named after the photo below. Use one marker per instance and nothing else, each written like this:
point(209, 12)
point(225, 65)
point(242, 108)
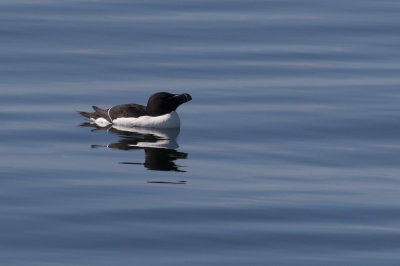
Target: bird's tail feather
point(98, 112)
point(86, 114)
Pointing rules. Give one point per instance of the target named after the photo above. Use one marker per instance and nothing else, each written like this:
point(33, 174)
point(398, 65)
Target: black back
point(160, 103)
point(127, 110)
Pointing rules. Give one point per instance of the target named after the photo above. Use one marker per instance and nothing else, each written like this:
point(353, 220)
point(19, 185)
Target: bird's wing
point(126, 110)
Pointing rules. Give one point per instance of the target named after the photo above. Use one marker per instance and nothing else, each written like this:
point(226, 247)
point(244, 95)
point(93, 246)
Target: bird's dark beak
point(187, 96)
point(179, 99)
point(183, 98)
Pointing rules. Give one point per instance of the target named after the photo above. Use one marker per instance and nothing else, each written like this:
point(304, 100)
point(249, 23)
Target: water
point(288, 154)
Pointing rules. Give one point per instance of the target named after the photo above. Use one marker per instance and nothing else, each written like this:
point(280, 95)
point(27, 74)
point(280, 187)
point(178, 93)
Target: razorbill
point(160, 112)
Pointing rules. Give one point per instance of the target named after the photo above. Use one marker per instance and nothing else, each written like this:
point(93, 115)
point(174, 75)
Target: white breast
point(170, 120)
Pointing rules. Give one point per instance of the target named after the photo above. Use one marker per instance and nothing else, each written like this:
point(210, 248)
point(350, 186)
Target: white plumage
point(170, 120)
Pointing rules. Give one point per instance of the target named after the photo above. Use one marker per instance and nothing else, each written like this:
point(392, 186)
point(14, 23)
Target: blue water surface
point(288, 154)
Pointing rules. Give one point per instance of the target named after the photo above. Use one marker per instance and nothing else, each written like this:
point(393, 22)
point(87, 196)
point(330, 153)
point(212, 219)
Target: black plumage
point(160, 103)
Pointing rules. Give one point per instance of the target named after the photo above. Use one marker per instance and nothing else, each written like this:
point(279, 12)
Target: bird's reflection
point(159, 145)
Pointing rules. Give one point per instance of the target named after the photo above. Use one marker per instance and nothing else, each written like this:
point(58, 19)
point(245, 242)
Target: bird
point(160, 112)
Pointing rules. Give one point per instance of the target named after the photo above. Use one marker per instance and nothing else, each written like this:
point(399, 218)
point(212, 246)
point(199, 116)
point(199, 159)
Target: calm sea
point(288, 154)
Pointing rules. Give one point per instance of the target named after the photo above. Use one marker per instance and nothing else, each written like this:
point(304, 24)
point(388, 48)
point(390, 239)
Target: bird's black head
point(162, 103)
